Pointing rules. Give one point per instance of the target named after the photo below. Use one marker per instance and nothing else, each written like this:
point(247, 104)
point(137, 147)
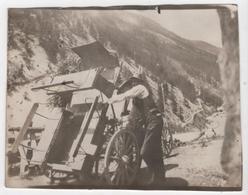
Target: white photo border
point(243, 38)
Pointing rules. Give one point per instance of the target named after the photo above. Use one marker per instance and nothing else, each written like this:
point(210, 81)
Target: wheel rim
point(167, 142)
point(122, 158)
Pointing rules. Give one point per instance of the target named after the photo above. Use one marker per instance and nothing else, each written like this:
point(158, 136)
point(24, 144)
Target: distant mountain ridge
point(206, 47)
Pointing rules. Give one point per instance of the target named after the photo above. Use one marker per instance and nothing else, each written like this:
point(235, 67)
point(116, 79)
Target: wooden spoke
point(114, 158)
point(120, 145)
point(117, 148)
point(129, 149)
point(128, 143)
point(125, 145)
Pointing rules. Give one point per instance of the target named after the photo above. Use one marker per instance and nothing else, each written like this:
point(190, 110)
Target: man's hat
point(129, 84)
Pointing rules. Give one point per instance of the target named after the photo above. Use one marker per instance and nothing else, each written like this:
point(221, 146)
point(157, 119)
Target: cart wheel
point(167, 142)
point(122, 158)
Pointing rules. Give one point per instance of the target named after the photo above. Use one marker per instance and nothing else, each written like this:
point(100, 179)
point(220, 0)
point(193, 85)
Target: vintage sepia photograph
point(124, 97)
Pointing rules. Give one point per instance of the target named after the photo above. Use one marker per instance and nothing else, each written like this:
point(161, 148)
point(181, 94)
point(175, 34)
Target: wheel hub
point(125, 159)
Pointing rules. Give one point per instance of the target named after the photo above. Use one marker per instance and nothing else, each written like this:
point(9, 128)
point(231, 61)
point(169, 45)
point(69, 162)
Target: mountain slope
point(130, 35)
point(39, 42)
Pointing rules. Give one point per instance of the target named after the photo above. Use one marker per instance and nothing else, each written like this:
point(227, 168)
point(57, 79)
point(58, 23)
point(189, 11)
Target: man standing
point(144, 115)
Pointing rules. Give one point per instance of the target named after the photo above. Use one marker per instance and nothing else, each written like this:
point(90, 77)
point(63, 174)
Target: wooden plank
point(98, 138)
point(24, 128)
point(61, 168)
point(56, 132)
point(83, 79)
point(30, 129)
point(24, 160)
point(79, 80)
point(42, 150)
point(52, 85)
point(14, 129)
point(92, 147)
point(83, 130)
point(69, 91)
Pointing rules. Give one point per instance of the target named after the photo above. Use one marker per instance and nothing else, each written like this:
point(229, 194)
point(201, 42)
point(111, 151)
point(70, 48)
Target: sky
point(190, 24)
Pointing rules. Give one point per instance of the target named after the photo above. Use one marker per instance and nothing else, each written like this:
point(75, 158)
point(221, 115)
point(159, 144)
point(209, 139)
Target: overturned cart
point(87, 139)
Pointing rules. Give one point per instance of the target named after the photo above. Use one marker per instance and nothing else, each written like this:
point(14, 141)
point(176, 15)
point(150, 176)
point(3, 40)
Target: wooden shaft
point(52, 85)
point(24, 128)
point(69, 91)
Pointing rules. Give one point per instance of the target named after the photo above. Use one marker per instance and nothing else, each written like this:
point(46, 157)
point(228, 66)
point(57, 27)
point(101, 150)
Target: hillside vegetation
point(40, 42)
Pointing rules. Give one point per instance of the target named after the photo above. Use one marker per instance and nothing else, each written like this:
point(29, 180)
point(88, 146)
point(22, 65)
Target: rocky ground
point(194, 164)
point(197, 165)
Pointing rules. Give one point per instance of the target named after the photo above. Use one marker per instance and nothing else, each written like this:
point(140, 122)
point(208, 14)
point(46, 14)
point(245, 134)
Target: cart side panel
point(68, 131)
point(96, 142)
point(83, 129)
point(47, 137)
point(50, 151)
point(98, 139)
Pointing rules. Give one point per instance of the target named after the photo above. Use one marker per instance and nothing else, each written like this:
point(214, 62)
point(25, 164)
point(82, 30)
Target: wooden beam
point(52, 85)
point(61, 168)
point(83, 130)
point(30, 129)
point(70, 91)
point(24, 128)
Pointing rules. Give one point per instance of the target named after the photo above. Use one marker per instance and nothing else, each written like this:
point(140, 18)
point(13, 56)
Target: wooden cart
point(87, 139)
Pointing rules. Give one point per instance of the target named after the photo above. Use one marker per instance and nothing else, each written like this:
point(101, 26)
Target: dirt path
point(198, 164)
point(188, 166)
